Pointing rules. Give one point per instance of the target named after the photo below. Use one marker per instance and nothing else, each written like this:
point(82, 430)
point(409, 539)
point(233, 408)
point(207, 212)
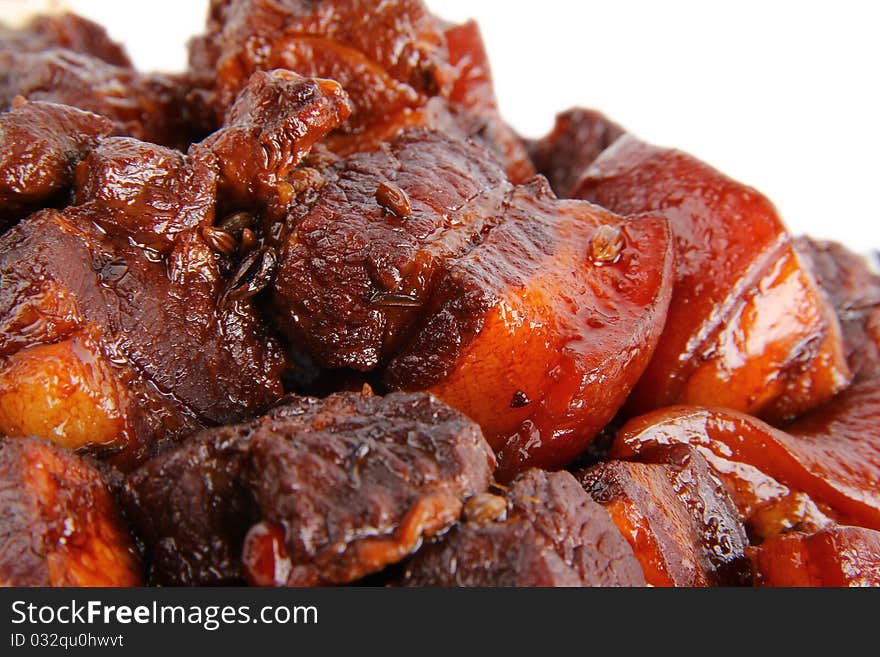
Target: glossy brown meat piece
point(110, 347)
point(389, 56)
point(59, 526)
point(65, 31)
point(353, 275)
point(40, 144)
point(482, 292)
point(677, 516)
point(824, 464)
point(545, 531)
point(748, 327)
point(854, 288)
point(316, 492)
point(540, 330)
point(274, 122)
point(836, 556)
point(578, 137)
point(148, 106)
point(148, 193)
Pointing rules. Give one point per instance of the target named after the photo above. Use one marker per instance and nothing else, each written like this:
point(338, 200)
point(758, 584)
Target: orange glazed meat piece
point(59, 526)
point(676, 515)
point(748, 327)
point(824, 464)
point(531, 315)
point(108, 346)
point(836, 556)
point(65, 392)
point(541, 330)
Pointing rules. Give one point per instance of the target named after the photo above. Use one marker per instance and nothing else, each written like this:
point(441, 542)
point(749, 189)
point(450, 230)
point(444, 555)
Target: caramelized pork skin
point(316, 492)
point(544, 531)
point(748, 327)
point(131, 345)
point(59, 525)
point(677, 516)
point(40, 145)
point(835, 556)
point(578, 137)
point(823, 467)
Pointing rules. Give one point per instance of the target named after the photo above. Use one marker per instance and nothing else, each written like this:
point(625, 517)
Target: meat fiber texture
point(316, 492)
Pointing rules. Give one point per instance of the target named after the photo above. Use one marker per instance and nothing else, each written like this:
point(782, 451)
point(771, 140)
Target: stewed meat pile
point(311, 313)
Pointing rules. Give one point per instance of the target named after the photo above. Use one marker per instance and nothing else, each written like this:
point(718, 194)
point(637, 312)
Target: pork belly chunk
point(400, 66)
point(749, 328)
point(835, 556)
point(113, 335)
point(544, 531)
point(820, 469)
point(153, 107)
point(421, 264)
point(315, 492)
point(677, 516)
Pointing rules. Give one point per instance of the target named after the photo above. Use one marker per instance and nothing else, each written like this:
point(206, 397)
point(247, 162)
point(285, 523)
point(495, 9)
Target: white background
point(782, 95)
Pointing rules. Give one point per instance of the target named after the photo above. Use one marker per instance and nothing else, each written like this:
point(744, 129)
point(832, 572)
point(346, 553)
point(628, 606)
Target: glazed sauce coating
point(681, 523)
point(127, 336)
point(748, 327)
point(59, 525)
point(832, 455)
point(273, 123)
point(388, 56)
point(354, 275)
point(836, 556)
point(40, 145)
point(529, 312)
